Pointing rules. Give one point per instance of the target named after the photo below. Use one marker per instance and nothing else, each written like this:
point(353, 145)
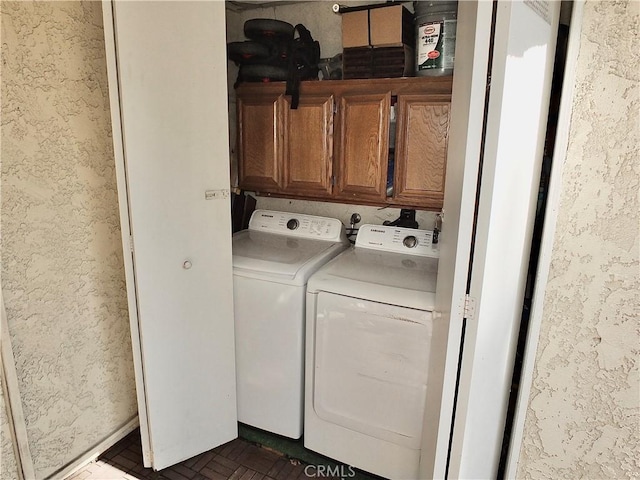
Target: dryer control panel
point(396, 239)
point(297, 225)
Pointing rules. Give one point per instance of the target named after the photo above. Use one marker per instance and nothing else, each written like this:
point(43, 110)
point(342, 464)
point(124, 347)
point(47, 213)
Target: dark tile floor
point(236, 460)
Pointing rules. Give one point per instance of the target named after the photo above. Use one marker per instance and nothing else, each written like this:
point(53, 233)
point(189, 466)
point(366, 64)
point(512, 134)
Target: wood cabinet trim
point(397, 86)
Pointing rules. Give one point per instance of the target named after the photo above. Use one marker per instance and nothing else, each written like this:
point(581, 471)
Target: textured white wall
point(324, 25)
point(583, 416)
point(62, 267)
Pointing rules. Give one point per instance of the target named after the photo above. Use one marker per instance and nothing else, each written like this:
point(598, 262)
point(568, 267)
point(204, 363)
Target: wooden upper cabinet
point(308, 145)
point(363, 146)
point(260, 142)
point(421, 150)
point(315, 153)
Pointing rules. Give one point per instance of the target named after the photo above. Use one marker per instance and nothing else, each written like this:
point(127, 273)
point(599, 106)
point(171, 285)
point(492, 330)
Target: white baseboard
point(92, 454)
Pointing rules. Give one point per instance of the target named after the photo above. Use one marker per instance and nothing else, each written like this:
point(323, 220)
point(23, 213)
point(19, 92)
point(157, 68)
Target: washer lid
point(279, 255)
point(386, 277)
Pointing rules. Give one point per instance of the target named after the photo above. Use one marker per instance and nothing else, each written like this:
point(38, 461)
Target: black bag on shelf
point(277, 51)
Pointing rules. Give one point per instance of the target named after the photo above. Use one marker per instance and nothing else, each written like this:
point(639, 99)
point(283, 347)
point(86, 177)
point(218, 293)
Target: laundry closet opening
point(341, 107)
point(328, 33)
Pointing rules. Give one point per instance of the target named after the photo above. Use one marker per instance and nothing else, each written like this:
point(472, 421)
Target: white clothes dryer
point(369, 335)
point(272, 261)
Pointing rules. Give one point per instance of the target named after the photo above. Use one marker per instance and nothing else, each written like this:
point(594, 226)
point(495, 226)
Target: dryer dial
point(410, 241)
point(293, 224)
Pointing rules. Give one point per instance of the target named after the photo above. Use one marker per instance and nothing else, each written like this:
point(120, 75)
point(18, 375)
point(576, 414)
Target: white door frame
point(546, 243)
point(125, 222)
point(521, 71)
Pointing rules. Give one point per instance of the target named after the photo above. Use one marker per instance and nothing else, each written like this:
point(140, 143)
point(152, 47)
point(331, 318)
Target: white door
point(502, 122)
point(167, 76)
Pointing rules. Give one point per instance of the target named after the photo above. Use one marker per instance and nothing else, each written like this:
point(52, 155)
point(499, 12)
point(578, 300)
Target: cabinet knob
point(187, 265)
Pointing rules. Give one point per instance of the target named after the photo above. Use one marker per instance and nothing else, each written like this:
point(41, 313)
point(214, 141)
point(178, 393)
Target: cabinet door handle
point(187, 265)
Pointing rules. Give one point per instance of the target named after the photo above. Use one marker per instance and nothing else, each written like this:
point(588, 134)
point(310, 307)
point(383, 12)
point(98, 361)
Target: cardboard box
point(355, 29)
point(391, 27)
point(378, 27)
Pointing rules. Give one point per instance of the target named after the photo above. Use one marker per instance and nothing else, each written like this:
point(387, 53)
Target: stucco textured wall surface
point(62, 268)
point(583, 416)
point(8, 467)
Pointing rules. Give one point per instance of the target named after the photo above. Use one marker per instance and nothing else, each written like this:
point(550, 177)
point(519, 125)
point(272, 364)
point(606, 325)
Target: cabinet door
point(421, 152)
point(363, 146)
point(308, 145)
point(260, 143)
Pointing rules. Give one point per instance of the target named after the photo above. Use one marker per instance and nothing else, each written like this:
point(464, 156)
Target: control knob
point(410, 241)
point(293, 224)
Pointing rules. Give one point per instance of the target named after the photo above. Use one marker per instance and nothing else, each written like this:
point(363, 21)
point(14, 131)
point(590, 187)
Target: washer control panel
point(297, 225)
point(396, 239)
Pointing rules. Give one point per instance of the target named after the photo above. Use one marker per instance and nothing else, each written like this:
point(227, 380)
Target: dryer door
point(371, 364)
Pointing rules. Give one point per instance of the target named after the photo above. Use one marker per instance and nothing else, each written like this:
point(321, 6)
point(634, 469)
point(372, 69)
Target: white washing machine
point(369, 332)
point(272, 262)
